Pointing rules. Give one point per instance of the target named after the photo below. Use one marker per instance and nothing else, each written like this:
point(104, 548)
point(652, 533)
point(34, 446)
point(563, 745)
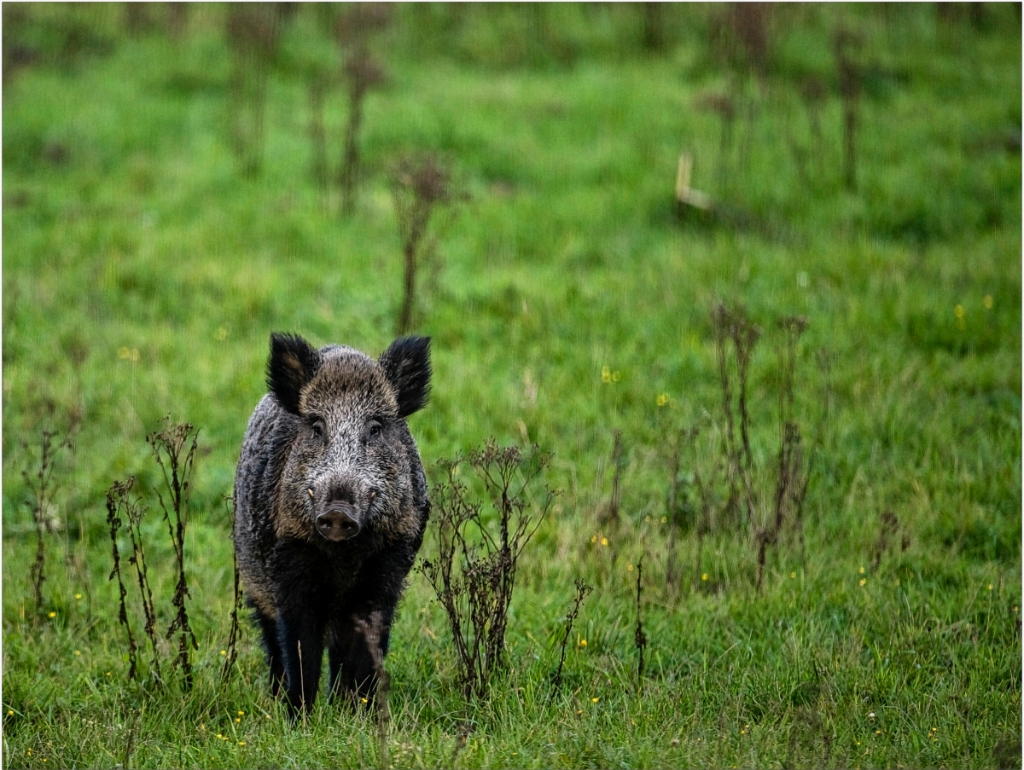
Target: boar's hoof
point(337, 523)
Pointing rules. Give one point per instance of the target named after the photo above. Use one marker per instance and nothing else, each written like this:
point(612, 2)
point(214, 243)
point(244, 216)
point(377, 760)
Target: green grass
point(128, 227)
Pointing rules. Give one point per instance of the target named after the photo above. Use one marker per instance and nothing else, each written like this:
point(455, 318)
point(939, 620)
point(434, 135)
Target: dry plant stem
point(252, 33)
point(611, 516)
point(849, 91)
point(888, 527)
point(135, 512)
point(733, 326)
point(115, 495)
point(745, 336)
point(474, 573)
point(363, 74)
point(792, 472)
point(231, 649)
point(640, 638)
point(178, 443)
point(419, 186)
point(720, 321)
point(705, 491)
point(350, 166)
point(43, 486)
point(582, 591)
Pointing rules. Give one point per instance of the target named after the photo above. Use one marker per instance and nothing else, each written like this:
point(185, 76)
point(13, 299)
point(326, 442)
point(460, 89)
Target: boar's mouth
point(338, 522)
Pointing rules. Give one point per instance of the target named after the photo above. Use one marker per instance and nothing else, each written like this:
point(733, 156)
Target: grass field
point(569, 300)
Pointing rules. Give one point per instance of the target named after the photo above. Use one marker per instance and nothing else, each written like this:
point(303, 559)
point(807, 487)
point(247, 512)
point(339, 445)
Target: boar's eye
point(316, 424)
point(374, 428)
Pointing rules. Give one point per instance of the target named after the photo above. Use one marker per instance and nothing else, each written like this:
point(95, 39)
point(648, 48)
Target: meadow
point(166, 206)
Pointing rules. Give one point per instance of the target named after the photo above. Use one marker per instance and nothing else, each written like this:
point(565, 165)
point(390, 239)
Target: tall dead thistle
point(174, 448)
point(474, 572)
point(419, 185)
point(231, 652)
point(849, 72)
point(42, 485)
point(120, 502)
point(252, 32)
point(733, 326)
point(582, 592)
point(770, 507)
point(361, 73)
point(640, 636)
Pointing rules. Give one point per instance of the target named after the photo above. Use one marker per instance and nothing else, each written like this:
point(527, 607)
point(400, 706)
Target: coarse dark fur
point(330, 504)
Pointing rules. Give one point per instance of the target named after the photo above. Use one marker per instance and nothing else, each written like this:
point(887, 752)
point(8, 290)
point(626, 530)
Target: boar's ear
point(406, 364)
point(291, 365)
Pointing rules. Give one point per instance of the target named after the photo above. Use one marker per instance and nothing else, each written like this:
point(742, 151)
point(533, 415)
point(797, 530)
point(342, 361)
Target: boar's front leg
point(358, 635)
point(352, 643)
point(302, 647)
point(300, 625)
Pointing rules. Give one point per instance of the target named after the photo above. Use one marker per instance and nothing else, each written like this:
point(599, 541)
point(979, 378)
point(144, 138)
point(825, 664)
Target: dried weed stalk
point(681, 513)
point(764, 501)
point(120, 502)
point(843, 43)
point(639, 637)
point(419, 185)
point(174, 448)
point(478, 550)
point(733, 326)
point(610, 516)
point(361, 73)
point(888, 529)
point(236, 605)
point(253, 32)
point(43, 486)
point(582, 591)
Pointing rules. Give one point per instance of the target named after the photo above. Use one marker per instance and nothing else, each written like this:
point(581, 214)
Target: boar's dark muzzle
point(338, 522)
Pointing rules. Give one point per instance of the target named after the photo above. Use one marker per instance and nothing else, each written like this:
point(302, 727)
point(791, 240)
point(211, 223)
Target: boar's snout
point(338, 522)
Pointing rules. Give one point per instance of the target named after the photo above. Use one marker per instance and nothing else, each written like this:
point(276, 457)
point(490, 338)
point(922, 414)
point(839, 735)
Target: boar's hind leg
point(268, 626)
